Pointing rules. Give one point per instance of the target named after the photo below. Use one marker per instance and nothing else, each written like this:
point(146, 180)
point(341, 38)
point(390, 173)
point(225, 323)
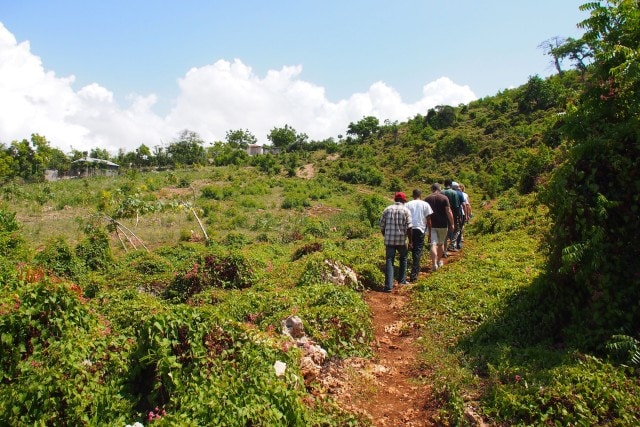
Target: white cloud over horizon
point(212, 99)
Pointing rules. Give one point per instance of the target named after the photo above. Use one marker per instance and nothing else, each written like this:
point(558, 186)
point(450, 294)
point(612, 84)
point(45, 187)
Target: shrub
point(315, 228)
point(372, 207)
point(211, 192)
point(338, 319)
point(145, 263)
point(58, 258)
point(11, 243)
point(370, 276)
point(230, 271)
point(235, 240)
point(295, 201)
point(360, 174)
point(306, 250)
point(584, 391)
point(94, 250)
point(357, 231)
point(396, 184)
point(314, 272)
point(53, 350)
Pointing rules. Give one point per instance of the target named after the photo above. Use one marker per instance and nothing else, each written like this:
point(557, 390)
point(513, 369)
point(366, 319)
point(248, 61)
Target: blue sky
point(120, 73)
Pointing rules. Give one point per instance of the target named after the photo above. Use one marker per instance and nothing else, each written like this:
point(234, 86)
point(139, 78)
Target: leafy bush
point(145, 263)
point(213, 270)
point(585, 391)
point(314, 273)
point(594, 194)
point(356, 231)
point(370, 276)
point(39, 353)
point(11, 243)
point(307, 249)
point(338, 320)
point(176, 348)
point(58, 258)
point(295, 201)
point(315, 228)
point(372, 207)
point(359, 173)
point(235, 240)
point(94, 250)
point(625, 349)
point(211, 192)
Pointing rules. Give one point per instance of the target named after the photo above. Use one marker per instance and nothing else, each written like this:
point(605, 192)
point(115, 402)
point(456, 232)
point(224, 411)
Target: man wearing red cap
point(395, 225)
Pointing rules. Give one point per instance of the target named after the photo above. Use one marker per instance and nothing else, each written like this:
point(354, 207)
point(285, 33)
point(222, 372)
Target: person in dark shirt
point(439, 224)
point(454, 204)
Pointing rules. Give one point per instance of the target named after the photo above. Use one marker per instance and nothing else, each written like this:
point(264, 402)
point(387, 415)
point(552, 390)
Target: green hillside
point(157, 296)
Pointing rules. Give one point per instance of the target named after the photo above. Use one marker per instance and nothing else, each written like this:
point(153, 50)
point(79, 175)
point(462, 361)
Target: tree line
point(28, 159)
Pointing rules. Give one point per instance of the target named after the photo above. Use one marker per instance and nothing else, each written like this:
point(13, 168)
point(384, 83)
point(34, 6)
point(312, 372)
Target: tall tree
point(59, 161)
point(30, 158)
point(187, 149)
point(365, 128)
point(287, 138)
point(100, 153)
point(441, 117)
point(549, 46)
point(537, 94)
point(577, 51)
point(143, 155)
point(594, 198)
point(6, 163)
point(240, 138)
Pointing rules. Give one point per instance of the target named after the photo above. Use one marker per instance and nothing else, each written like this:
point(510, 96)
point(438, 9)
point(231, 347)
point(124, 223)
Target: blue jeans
point(417, 238)
point(390, 257)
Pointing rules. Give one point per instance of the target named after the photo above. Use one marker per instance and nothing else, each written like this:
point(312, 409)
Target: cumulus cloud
point(212, 99)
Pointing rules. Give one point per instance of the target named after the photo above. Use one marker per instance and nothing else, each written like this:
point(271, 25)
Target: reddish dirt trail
point(400, 399)
point(389, 388)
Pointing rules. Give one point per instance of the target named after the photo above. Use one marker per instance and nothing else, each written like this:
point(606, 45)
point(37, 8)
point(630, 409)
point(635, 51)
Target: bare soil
point(307, 171)
point(390, 388)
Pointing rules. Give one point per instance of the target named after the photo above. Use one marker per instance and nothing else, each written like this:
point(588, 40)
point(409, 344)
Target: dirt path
point(400, 398)
point(387, 389)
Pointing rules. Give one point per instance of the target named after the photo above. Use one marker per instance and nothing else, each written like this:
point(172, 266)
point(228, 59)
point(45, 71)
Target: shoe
point(413, 280)
point(403, 283)
point(445, 255)
point(434, 267)
point(386, 290)
point(452, 249)
point(440, 263)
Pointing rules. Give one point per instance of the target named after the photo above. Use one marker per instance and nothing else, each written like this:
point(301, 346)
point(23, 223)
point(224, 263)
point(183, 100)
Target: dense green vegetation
point(158, 295)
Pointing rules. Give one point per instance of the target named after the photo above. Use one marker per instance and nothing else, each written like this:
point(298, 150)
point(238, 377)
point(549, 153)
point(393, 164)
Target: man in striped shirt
point(395, 225)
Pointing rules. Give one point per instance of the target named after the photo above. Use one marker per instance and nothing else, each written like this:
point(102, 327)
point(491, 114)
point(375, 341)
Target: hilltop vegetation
point(157, 295)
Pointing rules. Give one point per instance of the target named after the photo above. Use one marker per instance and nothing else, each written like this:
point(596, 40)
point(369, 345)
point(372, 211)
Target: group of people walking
point(439, 219)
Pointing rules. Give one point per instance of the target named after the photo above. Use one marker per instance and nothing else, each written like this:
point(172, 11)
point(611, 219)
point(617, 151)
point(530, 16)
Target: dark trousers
point(452, 236)
point(417, 239)
point(459, 239)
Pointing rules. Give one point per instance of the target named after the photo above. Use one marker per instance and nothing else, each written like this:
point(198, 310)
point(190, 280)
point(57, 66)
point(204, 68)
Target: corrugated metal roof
point(92, 160)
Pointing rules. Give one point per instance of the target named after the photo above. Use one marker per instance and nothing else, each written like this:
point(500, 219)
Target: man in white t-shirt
point(420, 211)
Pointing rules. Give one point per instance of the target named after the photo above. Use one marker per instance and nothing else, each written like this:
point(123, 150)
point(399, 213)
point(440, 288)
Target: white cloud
point(212, 100)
